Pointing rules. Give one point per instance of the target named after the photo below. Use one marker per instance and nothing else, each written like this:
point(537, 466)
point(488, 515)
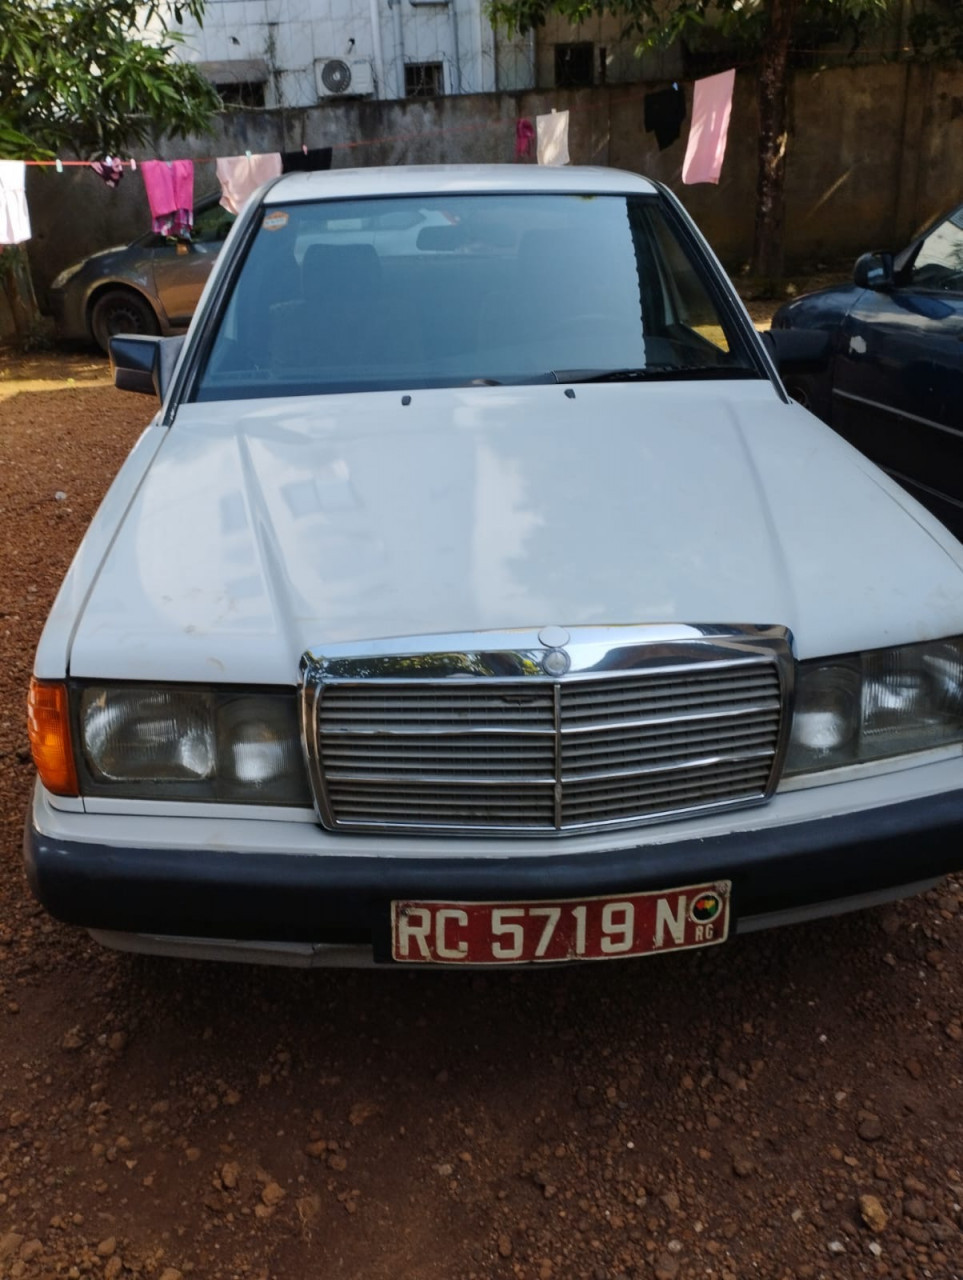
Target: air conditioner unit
point(343, 77)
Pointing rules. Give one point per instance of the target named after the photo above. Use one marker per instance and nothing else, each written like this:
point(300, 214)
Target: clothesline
point(352, 144)
point(476, 126)
point(335, 146)
point(488, 124)
point(169, 184)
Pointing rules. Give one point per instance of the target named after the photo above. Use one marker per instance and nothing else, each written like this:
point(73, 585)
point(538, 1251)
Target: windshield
point(414, 292)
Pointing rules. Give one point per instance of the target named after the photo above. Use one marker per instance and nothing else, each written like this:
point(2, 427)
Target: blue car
point(893, 380)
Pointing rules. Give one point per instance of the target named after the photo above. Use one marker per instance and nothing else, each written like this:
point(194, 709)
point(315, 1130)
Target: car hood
point(105, 257)
point(265, 528)
point(824, 308)
point(94, 265)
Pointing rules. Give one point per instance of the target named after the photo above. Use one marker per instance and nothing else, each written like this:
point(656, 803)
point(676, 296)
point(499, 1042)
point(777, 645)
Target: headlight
point(191, 744)
point(885, 702)
point(67, 274)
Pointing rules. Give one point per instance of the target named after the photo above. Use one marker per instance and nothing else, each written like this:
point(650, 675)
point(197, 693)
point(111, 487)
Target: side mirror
point(798, 350)
point(144, 364)
point(874, 271)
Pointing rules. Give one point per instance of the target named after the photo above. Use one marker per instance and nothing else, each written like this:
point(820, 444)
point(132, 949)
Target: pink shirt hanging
point(170, 193)
point(524, 138)
point(711, 109)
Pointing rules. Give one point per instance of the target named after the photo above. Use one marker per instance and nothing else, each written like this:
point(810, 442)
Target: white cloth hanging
point(552, 133)
point(14, 215)
point(239, 176)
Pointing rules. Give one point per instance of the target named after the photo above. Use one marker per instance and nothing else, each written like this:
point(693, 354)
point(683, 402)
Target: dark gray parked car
point(892, 382)
point(150, 286)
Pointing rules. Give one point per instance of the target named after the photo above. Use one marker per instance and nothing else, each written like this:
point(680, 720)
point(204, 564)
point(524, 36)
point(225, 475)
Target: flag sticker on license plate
point(604, 928)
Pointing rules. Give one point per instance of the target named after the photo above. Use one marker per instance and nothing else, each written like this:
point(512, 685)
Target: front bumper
point(213, 888)
point(69, 313)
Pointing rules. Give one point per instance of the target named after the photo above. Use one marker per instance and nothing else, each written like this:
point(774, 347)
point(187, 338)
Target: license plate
point(605, 928)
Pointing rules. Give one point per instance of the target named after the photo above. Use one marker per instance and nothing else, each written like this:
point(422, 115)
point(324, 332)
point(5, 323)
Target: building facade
point(298, 53)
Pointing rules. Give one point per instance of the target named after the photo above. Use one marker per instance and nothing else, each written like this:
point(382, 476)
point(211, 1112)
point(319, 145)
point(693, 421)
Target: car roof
point(440, 179)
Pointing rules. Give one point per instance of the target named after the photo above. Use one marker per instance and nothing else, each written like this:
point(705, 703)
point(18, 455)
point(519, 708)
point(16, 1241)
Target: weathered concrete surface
point(875, 153)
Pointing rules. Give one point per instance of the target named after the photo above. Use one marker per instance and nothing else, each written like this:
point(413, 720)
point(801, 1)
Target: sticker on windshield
point(275, 221)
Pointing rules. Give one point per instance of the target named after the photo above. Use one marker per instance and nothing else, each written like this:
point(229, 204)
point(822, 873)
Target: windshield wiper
point(506, 380)
point(654, 372)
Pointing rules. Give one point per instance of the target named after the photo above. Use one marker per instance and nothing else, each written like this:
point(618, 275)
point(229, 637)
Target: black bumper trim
point(343, 898)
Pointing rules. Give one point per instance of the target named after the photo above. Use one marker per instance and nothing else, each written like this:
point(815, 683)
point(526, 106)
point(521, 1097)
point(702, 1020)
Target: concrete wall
point(876, 152)
point(887, 159)
point(605, 32)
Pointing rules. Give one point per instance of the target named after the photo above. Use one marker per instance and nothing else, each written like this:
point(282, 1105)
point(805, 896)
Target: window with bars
point(239, 93)
point(424, 80)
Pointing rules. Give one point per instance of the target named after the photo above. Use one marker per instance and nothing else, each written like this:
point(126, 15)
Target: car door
point(898, 389)
point(181, 267)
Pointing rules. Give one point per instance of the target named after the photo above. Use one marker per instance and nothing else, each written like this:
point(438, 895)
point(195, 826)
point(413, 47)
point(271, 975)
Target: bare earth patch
point(50, 372)
point(789, 1106)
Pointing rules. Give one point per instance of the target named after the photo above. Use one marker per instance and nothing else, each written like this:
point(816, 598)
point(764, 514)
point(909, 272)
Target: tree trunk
point(767, 252)
point(17, 287)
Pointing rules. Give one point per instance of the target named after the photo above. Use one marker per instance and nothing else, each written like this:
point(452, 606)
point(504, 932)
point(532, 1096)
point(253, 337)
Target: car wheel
point(121, 311)
point(813, 394)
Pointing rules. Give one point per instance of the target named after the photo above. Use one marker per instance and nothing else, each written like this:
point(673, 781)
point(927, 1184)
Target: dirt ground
point(787, 1106)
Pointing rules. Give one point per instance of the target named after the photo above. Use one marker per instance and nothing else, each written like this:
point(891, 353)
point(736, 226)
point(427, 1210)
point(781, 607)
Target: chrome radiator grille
point(537, 755)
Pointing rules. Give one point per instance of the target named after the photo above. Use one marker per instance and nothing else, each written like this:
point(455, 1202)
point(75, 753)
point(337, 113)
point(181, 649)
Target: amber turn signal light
point(48, 726)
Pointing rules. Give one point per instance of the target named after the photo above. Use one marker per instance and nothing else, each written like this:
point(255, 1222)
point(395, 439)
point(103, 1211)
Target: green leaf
point(79, 74)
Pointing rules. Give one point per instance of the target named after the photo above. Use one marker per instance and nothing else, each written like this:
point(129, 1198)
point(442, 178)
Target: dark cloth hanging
point(109, 169)
point(664, 114)
point(306, 161)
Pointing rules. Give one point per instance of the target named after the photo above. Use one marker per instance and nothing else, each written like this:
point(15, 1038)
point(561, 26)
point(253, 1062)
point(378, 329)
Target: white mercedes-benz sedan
point(478, 596)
